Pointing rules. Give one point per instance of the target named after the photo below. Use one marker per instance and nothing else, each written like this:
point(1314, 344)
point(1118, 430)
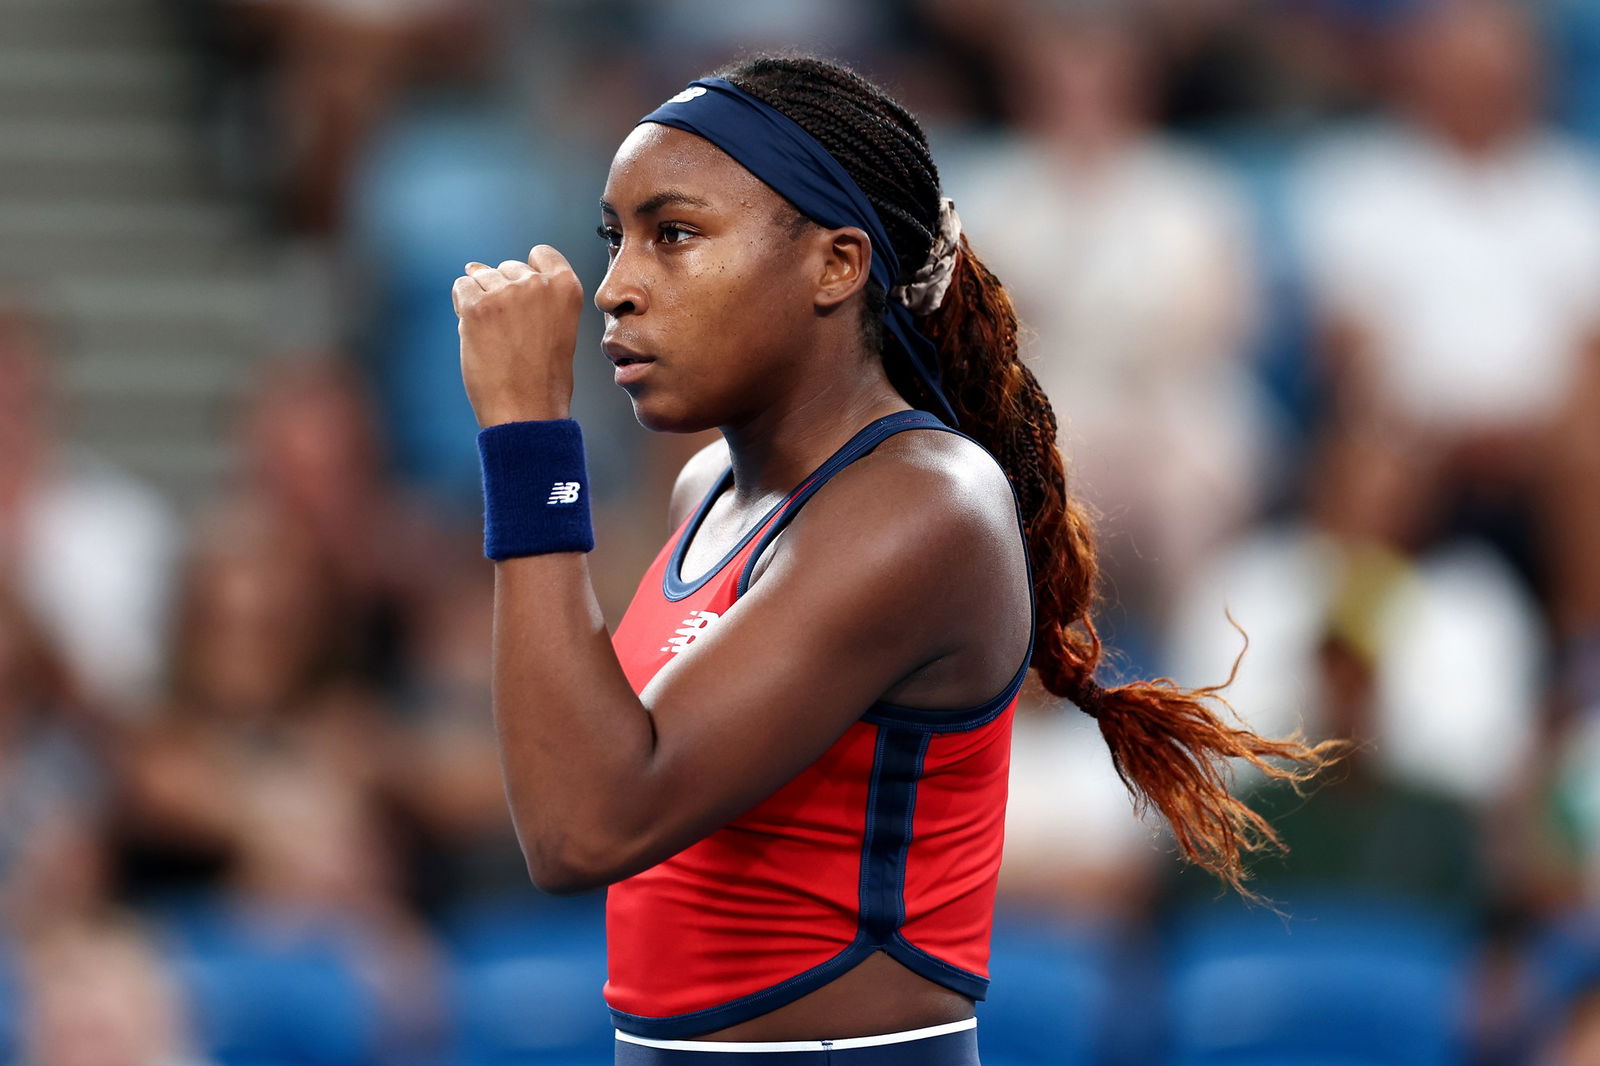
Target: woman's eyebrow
point(665, 198)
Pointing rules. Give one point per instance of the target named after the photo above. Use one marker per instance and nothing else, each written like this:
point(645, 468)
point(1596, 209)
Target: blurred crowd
point(1314, 286)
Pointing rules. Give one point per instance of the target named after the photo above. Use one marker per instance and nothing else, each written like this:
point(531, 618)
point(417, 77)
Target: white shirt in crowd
point(1135, 278)
point(96, 563)
point(1477, 280)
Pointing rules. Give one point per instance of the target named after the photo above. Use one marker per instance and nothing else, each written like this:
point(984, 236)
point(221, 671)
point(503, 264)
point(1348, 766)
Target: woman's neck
point(784, 442)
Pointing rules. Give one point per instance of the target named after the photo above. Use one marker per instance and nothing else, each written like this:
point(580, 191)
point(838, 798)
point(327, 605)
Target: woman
point(790, 763)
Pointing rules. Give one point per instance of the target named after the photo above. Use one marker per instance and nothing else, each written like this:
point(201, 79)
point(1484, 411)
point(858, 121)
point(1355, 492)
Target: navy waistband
point(942, 1048)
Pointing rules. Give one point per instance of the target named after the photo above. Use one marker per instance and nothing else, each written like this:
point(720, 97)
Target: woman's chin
point(659, 415)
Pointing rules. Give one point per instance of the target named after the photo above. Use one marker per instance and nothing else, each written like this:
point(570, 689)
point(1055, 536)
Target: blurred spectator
point(263, 783)
point(1430, 665)
point(53, 788)
point(1562, 849)
point(290, 94)
point(701, 33)
point(294, 88)
point(448, 786)
point(89, 549)
point(1455, 255)
point(1369, 831)
point(316, 863)
point(1233, 63)
point(259, 653)
point(313, 459)
point(1577, 1042)
point(258, 669)
point(1567, 493)
point(344, 62)
point(99, 995)
point(1130, 257)
point(1452, 637)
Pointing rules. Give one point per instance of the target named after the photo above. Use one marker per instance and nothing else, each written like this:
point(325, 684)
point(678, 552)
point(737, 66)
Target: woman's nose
point(622, 291)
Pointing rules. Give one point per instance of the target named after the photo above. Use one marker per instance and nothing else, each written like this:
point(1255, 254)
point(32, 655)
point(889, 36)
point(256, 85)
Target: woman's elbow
point(568, 869)
point(563, 881)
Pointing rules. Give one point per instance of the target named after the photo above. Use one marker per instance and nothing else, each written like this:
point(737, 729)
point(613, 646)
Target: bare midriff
point(878, 996)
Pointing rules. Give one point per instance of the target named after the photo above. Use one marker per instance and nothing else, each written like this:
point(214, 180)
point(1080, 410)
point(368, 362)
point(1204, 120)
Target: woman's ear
point(846, 264)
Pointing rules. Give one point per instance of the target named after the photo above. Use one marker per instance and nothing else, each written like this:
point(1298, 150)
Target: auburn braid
point(1171, 748)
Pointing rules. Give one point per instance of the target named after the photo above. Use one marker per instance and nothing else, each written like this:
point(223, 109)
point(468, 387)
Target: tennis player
point(789, 764)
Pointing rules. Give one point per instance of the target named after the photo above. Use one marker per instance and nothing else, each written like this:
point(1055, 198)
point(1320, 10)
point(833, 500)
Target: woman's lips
point(627, 373)
point(631, 365)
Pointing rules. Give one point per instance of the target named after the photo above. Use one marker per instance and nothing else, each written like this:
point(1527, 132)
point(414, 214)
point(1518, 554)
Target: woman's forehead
point(654, 158)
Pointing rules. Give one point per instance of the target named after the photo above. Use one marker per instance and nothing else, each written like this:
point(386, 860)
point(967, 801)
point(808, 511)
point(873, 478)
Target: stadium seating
point(526, 984)
point(10, 1006)
point(1338, 984)
point(271, 989)
point(1051, 994)
point(1563, 966)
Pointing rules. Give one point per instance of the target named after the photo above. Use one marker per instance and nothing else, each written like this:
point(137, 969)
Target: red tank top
point(889, 841)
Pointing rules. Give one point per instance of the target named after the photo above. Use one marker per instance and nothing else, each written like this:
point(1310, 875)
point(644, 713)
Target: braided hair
point(1169, 746)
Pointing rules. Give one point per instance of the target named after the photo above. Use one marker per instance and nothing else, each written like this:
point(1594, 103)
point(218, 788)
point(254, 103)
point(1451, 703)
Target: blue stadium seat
point(10, 1006)
point(270, 993)
point(527, 984)
point(501, 928)
point(1341, 984)
point(1563, 965)
point(1051, 994)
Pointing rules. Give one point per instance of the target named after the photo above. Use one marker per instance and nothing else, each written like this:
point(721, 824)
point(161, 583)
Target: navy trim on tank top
point(881, 909)
point(929, 719)
point(672, 584)
point(675, 588)
point(870, 436)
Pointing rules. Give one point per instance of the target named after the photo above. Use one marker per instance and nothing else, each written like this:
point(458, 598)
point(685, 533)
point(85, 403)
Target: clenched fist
point(519, 326)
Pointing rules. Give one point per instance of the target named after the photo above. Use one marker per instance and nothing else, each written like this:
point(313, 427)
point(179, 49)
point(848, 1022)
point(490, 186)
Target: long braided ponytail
point(1169, 746)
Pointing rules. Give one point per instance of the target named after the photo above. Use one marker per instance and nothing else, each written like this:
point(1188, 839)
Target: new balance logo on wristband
point(563, 492)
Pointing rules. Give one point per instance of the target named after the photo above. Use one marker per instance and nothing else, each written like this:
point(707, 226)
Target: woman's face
point(710, 285)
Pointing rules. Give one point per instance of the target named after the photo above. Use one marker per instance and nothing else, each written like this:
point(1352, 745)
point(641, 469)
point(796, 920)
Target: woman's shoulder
point(942, 468)
point(938, 488)
point(938, 449)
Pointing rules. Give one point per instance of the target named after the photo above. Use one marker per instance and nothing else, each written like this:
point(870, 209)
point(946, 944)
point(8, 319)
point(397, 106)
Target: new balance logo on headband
point(563, 492)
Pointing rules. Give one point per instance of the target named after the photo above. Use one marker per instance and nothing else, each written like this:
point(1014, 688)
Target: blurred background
point(1314, 284)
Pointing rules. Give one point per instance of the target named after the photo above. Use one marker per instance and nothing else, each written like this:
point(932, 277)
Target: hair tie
point(924, 293)
point(1090, 697)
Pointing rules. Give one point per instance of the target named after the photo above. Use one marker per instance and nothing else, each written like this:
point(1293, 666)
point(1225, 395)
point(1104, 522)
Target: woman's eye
point(671, 234)
point(613, 238)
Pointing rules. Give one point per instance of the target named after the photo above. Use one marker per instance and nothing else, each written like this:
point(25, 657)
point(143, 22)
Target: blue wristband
point(535, 489)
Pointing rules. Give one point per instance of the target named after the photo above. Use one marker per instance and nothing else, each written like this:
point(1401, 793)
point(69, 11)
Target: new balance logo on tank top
point(889, 841)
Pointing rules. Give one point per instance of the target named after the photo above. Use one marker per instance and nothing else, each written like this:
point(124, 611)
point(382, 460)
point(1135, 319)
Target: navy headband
point(776, 149)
